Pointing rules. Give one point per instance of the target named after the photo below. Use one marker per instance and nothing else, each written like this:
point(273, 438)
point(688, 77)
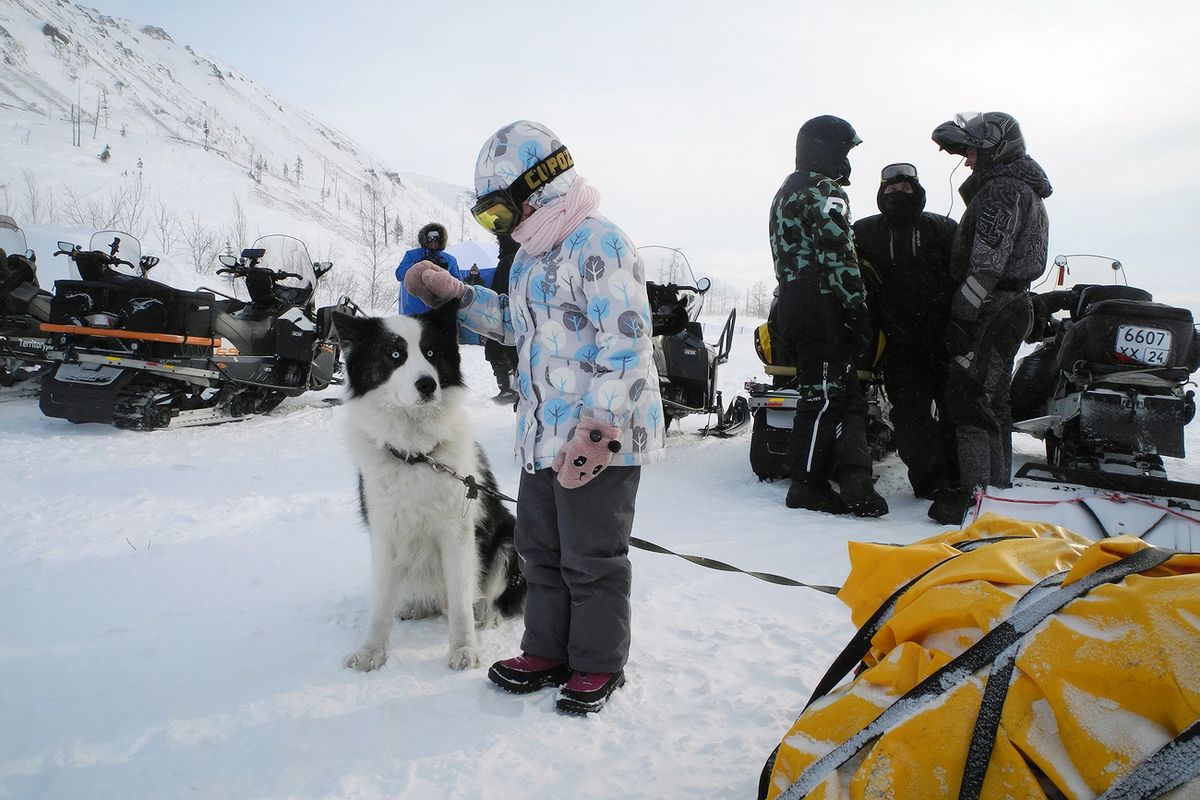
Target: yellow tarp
point(1098, 687)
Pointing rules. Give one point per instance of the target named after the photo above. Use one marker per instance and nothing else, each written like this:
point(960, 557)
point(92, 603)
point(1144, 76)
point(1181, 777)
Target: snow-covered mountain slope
point(200, 156)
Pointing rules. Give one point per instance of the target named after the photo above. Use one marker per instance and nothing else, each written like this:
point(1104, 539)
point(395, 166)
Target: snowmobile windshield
point(121, 245)
point(288, 254)
point(667, 266)
point(12, 238)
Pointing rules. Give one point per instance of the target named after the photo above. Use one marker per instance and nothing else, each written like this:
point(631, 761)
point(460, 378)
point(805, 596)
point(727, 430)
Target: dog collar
point(473, 486)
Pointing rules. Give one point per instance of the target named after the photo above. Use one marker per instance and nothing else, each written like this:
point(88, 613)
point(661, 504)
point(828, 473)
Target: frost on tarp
point(1098, 686)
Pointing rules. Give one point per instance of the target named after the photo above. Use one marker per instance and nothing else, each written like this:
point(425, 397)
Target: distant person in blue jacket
point(432, 241)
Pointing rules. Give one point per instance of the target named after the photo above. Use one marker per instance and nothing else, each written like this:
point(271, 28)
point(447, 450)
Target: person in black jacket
point(1000, 247)
point(905, 257)
point(502, 358)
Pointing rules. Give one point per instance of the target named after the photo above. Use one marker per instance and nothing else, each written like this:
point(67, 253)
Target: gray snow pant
point(977, 397)
point(574, 551)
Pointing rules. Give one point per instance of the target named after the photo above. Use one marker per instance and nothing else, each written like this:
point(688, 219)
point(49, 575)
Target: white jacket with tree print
point(579, 318)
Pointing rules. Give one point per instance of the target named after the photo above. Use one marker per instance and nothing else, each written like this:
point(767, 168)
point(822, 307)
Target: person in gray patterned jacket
point(999, 248)
point(589, 413)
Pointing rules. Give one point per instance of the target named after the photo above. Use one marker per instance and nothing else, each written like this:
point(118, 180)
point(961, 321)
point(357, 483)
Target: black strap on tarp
point(963, 667)
point(1173, 765)
point(991, 707)
point(712, 563)
point(856, 649)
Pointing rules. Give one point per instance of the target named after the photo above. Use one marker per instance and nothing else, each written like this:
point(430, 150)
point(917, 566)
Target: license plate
point(1149, 346)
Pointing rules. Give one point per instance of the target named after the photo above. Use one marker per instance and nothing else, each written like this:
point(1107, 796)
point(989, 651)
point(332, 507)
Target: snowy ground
point(174, 608)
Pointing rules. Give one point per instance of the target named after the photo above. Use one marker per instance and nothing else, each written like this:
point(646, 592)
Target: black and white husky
point(433, 550)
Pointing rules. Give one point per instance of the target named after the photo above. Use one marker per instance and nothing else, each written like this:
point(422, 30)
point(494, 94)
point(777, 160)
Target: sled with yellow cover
point(1007, 660)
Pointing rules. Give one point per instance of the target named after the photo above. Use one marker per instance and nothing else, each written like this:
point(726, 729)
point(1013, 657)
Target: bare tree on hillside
point(201, 244)
point(134, 199)
point(165, 225)
point(5, 200)
point(34, 199)
point(758, 300)
point(237, 226)
point(371, 240)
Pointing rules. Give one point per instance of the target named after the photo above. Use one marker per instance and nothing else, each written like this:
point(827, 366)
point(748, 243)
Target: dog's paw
point(366, 658)
point(464, 658)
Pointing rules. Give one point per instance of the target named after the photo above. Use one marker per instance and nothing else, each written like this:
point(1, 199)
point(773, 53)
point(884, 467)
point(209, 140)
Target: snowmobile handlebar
point(244, 270)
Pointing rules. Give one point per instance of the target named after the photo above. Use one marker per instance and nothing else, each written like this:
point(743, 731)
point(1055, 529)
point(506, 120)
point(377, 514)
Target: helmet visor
point(966, 130)
point(496, 212)
point(893, 172)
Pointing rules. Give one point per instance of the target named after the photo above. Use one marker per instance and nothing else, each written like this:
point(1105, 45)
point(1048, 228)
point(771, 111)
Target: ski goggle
point(497, 212)
point(894, 172)
point(500, 211)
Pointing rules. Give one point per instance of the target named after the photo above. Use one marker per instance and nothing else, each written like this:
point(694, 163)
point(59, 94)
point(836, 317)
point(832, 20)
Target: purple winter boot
point(528, 673)
point(587, 692)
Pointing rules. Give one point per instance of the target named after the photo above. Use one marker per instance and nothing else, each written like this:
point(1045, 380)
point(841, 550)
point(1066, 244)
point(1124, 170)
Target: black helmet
point(823, 144)
point(996, 136)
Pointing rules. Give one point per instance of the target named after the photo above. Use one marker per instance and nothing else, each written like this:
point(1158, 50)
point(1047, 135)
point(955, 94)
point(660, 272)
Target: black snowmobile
point(142, 355)
point(1106, 387)
point(686, 364)
point(24, 305)
point(773, 405)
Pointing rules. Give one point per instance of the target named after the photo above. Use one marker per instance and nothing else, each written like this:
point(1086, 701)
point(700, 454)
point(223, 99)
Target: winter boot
point(950, 506)
point(587, 692)
point(528, 673)
point(507, 395)
point(859, 495)
point(815, 494)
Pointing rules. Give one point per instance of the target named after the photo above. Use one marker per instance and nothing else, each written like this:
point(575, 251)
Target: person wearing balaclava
point(904, 252)
point(431, 246)
point(589, 413)
point(822, 316)
point(999, 249)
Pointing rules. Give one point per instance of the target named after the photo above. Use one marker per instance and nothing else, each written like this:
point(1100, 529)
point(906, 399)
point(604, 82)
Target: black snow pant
point(914, 376)
point(977, 397)
point(503, 360)
point(829, 433)
point(573, 546)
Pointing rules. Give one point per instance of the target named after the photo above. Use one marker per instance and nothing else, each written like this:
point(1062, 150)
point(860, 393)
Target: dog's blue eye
point(429, 354)
point(396, 354)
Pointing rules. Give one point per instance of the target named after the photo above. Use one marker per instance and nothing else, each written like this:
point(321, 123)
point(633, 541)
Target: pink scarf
point(551, 223)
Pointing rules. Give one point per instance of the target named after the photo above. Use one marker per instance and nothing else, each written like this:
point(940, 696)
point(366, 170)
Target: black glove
point(862, 337)
point(960, 343)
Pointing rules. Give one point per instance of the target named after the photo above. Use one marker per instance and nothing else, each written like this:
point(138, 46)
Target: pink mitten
point(587, 453)
point(431, 284)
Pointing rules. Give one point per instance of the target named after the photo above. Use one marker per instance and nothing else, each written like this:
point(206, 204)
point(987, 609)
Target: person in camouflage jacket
point(823, 319)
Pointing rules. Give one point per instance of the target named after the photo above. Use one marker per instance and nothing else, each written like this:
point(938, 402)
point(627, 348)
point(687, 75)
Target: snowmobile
point(24, 305)
point(686, 364)
point(1105, 388)
point(142, 355)
point(773, 405)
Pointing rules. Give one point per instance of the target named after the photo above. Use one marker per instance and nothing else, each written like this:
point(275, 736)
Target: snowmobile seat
point(252, 336)
point(1093, 338)
point(1095, 293)
point(15, 270)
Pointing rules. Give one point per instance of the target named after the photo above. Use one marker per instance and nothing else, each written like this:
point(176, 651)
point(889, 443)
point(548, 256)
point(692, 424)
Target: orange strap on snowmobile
point(114, 333)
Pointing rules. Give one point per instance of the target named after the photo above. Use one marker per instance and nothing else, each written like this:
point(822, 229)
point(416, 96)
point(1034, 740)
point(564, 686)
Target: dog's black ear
point(445, 316)
point(351, 330)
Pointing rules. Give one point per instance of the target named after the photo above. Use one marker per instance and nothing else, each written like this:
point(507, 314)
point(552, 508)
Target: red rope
point(1115, 497)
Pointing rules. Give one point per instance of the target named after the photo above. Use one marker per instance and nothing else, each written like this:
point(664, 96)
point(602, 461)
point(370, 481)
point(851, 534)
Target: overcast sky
point(684, 114)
